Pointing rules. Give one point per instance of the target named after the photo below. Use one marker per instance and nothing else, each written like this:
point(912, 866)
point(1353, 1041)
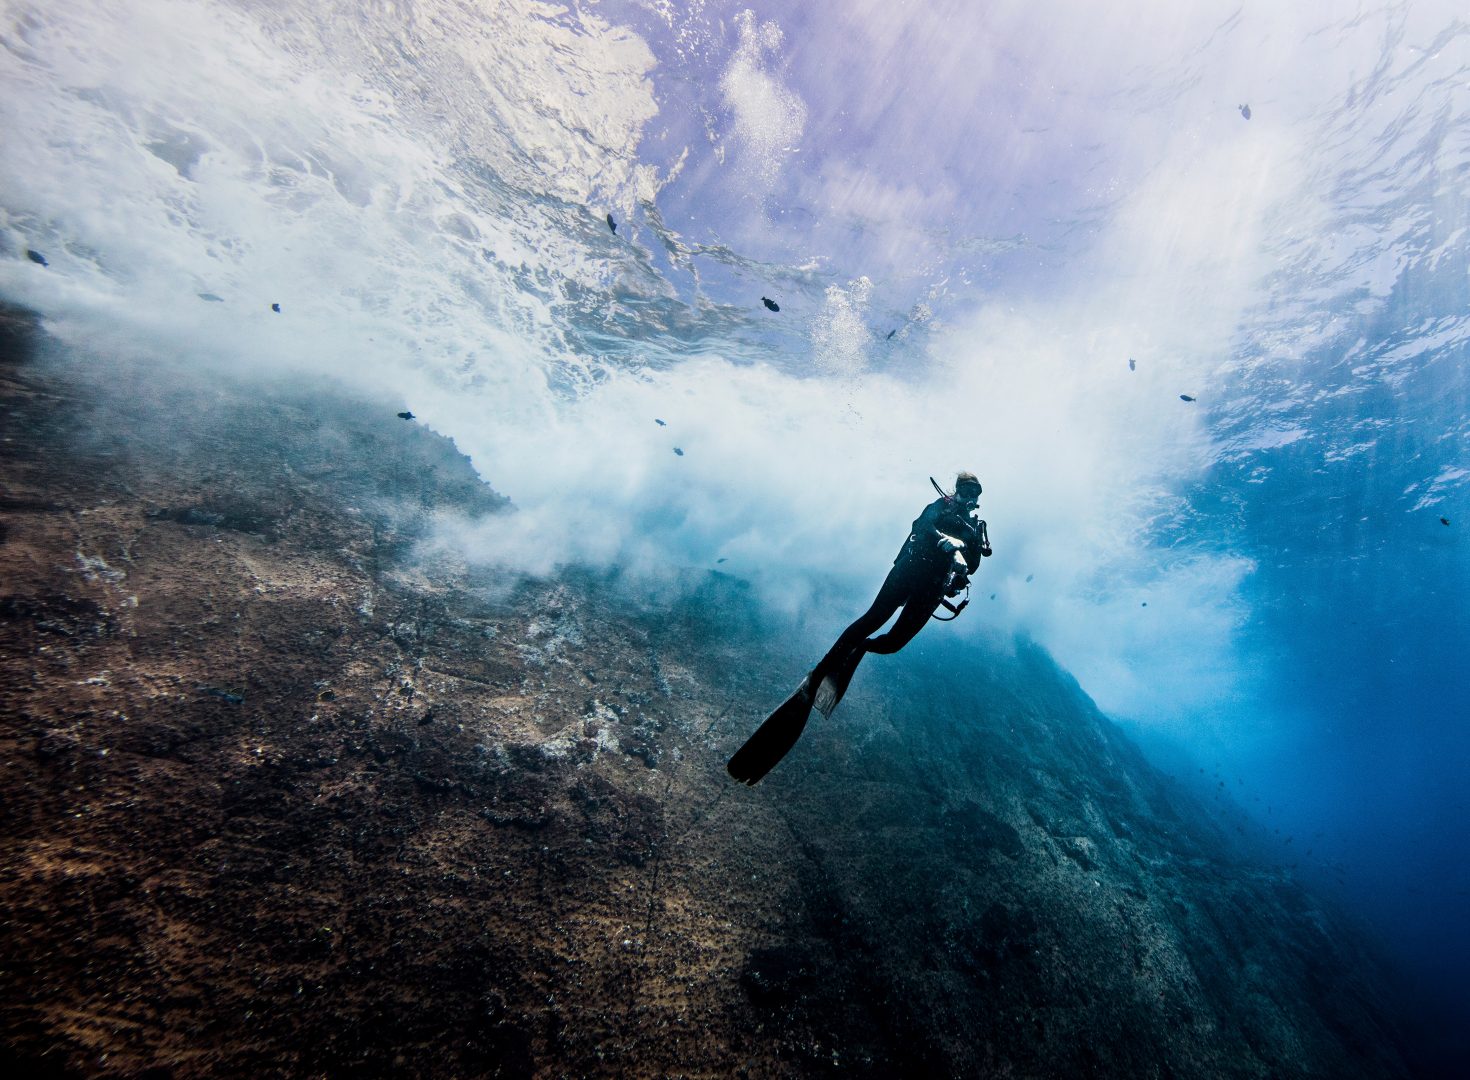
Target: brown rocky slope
point(287, 793)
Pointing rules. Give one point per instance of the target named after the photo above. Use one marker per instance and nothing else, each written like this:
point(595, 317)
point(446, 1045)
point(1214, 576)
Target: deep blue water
point(1007, 241)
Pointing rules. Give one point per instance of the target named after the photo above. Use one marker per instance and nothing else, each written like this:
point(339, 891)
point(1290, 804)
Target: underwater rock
point(467, 819)
point(36, 257)
point(214, 691)
point(771, 305)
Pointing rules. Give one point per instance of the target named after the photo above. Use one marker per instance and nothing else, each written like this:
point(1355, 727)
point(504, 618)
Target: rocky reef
point(289, 789)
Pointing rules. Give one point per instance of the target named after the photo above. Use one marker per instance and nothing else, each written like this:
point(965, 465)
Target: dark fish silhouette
point(1131, 365)
point(1245, 111)
point(611, 224)
point(405, 416)
point(233, 699)
point(1145, 603)
point(1185, 397)
point(659, 422)
point(211, 297)
point(1444, 521)
point(720, 560)
point(678, 451)
point(275, 307)
point(1030, 576)
point(890, 335)
point(36, 257)
point(771, 304)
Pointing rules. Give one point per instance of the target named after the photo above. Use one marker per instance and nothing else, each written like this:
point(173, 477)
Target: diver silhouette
point(944, 548)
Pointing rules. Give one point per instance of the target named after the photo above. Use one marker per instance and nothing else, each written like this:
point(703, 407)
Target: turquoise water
point(1005, 241)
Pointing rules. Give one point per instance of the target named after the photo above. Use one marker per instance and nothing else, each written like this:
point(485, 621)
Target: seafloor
point(289, 790)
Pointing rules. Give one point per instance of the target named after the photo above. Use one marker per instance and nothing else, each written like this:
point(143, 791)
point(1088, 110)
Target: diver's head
point(967, 489)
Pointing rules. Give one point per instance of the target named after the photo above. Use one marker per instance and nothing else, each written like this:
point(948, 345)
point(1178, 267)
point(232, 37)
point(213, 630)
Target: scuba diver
point(943, 550)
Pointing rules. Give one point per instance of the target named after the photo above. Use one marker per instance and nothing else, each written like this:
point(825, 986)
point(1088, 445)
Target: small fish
point(36, 257)
point(1185, 397)
point(659, 422)
point(890, 334)
point(1444, 521)
point(770, 304)
point(1030, 576)
point(1145, 603)
point(722, 559)
point(992, 596)
point(211, 297)
point(1245, 111)
point(405, 416)
point(233, 699)
point(678, 451)
point(611, 224)
point(276, 307)
point(1132, 366)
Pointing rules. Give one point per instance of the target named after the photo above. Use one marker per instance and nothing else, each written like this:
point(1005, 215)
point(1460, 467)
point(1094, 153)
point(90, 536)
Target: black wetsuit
point(916, 583)
point(919, 580)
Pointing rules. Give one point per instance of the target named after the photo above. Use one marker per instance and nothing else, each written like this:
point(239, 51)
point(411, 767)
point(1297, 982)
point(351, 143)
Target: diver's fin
point(834, 683)
point(774, 739)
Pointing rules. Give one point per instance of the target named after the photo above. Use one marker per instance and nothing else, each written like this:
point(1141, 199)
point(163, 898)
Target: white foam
point(768, 117)
point(840, 332)
point(423, 190)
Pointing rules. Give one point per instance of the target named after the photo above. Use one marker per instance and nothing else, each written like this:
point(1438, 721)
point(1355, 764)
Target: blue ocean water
point(1187, 285)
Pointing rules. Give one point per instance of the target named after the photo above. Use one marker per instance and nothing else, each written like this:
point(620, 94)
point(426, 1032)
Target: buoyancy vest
point(921, 550)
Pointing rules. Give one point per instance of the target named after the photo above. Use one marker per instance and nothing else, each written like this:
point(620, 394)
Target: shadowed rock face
point(288, 790)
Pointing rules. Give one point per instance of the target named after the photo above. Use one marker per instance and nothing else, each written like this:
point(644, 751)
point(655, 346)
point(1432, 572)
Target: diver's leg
point(921, 604)
point(775, 738)
point(835, 678)
point(891, 596)
point(834, 671)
